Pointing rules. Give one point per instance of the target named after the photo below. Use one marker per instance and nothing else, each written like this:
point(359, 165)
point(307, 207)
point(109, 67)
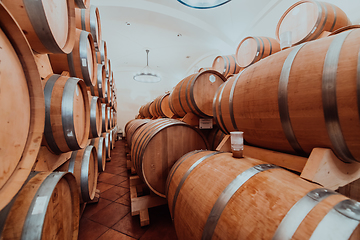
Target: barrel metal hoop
point(71, 167)
point(335, 18)
point(227, 194)
point(35, 217)
point(100, 152)
point(329, 100)
point(103, 113)
point(192, 98)
point(176, 166)
point(214, 104)
point(48, 129)
point(182, 82)
point(226, 65)
point(93, 26)
point(83, 58)
point(67, 113)
point(93, 119)
point(182, 181)
point(263, 49)
point(283, 100)
point(83, 20)
point(308, 37)
point(221, 122)
point(80, 4)
point(299, 211)
point(269, 46)
point(231, 102)
point(84, 174)
point(70, 60)
point(340, 222)
point(99, 81)
point(257, 51)
point(187, 89)
point(38, 20)
point(323, 24)
point(235, 68)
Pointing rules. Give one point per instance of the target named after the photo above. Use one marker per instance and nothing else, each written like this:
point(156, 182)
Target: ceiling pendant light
point(203, 4)
point(146, 75)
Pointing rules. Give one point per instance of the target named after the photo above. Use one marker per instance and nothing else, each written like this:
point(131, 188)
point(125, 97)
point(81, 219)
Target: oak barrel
point(99, 88)
point(212, 195)
point(89, 20)
point(145, 110)
point(101, 55)
point(157, 145)
point(99, 144)
point(106, 137)
point(67, 114)
point(22, 107)
point(80, 62)
point(110, 139)
point(47, 207)
point(298, 99)
point(306, 20)
point(84, 165)
point(215, 137)
point(195, 94)
point(108, 112)
point(95, 117)
point(162, 108)
point(108, 69)
point(131, 127)
point(252, 49)
point(226, 65)
point(104, 125)
point(39, 20)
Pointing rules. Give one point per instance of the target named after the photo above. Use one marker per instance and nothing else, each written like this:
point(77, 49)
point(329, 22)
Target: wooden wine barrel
point(252, 49)
point(195, 94)
point(114, 136)
point(84, 165)
point(145, 111)
point(39, 20)
point(131, 127)
point(89, 20)
point(205, 69)
point(99, 88)
point(82, 4)
point(162, 108)
point(107, 88)
point(212, 195)
point(112, 117)
point(47, 207)
point(215, 137)
point(298, 99)
point(108, 112)
point(108, 69)
point(306, 20)
point(101, 55)
point(99, 144)
point(104, 115)
point(22, 108)
point(226, 65)
point(157, 145)
point(95, 117)
point(110, 139)
point(67, 118)
point(81, 62)
point(106, 137)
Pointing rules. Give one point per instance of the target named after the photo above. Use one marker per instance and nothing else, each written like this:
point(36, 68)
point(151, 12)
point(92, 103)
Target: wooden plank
point(128, 164)
point(96, 198)
point(46, 161)
point(288, 161)
point(135, 180)
point(191, 119)
point(325, 168)
point(43, 65)
point(144, 202)
point(225, 144)
point(144, 217)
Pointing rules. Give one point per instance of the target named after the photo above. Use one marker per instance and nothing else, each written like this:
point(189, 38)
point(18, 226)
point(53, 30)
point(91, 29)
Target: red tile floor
point(110, 218)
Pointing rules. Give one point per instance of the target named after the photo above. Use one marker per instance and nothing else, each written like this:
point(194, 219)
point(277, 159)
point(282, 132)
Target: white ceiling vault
point(180, 39)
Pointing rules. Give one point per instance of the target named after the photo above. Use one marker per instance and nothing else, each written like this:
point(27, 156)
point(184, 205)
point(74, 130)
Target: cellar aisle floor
point(110, 218)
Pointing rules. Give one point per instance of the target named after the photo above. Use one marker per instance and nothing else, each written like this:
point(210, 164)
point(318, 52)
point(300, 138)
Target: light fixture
point(203, 4)
point(146, 75)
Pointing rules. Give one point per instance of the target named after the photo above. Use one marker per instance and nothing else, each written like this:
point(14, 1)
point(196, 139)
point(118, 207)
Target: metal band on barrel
point(307, 38)
point(37, 16)
point(340, 222)
point(80, 3)
point(283, 100)
point(93, 26)
point(67, 113)
point(214, 104)
point(299, 211)
point(182, 82)
point(176, 166)
point(192, 98)
point(93, 117)
point(231, 101)
point(48, 132)
point(257, 51)
point(226, 195)
point(320, 30)
point(83, 19)
point(185, 177)
point(335, 18)
point(83, 58)
point(34, 223)
point(188, 92)
point(70, 59)
point(269, 46)
point(103, 113)
point(329, 98)
point(84, 174)
point(219, 109)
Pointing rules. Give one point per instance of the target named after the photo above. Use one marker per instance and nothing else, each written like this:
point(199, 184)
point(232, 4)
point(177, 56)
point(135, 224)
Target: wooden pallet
point(140, 204)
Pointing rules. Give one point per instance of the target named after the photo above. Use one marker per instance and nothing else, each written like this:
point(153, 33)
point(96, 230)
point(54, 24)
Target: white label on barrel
point(205, 123)
point(212, 78)
point(84, 62)
point(99, 85)
point(39, 206)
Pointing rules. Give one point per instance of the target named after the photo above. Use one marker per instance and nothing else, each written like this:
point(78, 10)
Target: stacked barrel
point(59, 114)
point(289, 94)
